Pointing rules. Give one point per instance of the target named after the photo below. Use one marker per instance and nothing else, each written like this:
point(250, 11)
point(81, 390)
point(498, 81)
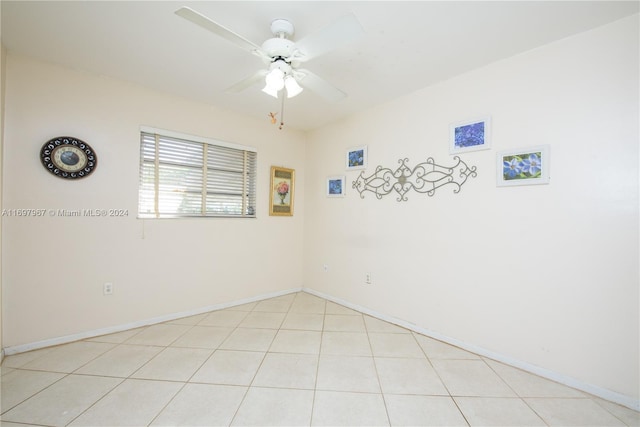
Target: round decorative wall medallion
point(68, 157)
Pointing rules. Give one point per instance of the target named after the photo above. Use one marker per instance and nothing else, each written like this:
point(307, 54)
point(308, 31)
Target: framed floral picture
point(281, 194)
point(335, 186)
point(356, 158)
point(526, 166)
point(470, 135)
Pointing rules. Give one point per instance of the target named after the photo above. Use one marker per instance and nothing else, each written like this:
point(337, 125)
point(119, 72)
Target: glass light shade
point(275, 79)
point(270, 91)
point(293, 88)
point(274, 82)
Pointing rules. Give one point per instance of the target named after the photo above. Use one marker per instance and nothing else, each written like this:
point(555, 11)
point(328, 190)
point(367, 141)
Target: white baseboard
point(119, 328)
point(603, 393)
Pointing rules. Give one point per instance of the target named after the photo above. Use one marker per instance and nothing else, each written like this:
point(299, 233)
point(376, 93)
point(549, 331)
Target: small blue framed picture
point(526, 166)
point(470, 135)
point(335, 186)
point(356, 158)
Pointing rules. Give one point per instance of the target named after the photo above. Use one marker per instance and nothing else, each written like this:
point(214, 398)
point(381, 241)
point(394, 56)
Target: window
point(187, 176)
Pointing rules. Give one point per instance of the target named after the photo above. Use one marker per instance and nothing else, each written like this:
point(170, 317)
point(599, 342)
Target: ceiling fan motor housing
point(277, 47)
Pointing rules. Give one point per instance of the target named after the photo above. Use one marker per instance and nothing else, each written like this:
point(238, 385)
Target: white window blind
point(183, 176)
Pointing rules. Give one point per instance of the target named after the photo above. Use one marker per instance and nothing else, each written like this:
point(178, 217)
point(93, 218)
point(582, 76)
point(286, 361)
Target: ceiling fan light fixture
point(293, 88)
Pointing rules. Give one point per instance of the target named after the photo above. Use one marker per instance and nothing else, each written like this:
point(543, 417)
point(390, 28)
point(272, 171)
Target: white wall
point(54, 267)
point(545, 276)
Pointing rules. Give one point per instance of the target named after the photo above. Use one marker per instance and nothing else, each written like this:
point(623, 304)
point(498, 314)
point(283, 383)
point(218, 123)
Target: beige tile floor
point(291, 360)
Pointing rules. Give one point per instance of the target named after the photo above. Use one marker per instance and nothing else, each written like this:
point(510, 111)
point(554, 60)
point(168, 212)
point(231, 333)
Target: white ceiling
point(406, 45)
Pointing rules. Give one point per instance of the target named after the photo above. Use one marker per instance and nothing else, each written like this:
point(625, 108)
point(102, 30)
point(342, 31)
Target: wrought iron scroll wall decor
point(425, 177)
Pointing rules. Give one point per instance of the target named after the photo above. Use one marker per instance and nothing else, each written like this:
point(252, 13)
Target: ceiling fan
point(283, 56)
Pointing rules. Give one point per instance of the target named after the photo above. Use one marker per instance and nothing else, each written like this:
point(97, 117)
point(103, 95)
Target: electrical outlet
point(107, 288)
point(367, 278)
point(325, 268)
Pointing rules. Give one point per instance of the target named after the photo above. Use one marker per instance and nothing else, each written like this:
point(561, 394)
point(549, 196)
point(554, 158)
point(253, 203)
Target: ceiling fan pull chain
point(282, 113)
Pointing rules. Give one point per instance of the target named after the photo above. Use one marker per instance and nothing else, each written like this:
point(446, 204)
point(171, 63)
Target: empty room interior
point(374, 213)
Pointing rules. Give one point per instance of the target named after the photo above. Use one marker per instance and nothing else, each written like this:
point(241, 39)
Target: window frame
point(248, 175)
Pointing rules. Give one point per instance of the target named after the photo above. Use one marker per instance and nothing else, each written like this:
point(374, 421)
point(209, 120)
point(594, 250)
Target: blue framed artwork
point(470, 135)
point(336, 186)
point(527, 166)
point(356, 158)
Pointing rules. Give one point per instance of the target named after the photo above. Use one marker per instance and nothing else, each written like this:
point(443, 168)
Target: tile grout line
point(413, 334)
point(3, 412)
point(65, 375)
point(235, 414)
point(315, 384)
point(244, 396)
point(96, 402)
point(128, 377)
point(184, 384)
point(521, 398)
point(375, 366)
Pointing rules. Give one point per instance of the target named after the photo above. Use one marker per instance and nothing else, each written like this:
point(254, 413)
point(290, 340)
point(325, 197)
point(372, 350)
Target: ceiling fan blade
point(206, 23)
point(248, 82)
point(316, 84)
point(339, 32)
